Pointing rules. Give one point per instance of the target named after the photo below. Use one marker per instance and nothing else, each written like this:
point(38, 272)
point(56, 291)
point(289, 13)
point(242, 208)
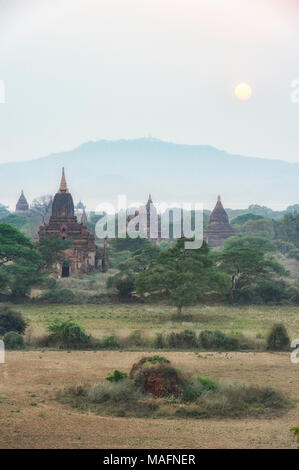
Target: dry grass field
point(31, 417)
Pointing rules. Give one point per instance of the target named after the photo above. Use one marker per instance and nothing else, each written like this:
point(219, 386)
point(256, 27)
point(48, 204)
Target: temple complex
point(84, 255)
point(219, 228)
point(22, 206)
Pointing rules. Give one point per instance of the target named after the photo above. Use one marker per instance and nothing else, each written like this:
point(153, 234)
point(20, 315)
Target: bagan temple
point(83, 256)
point(219, 228)
point(22, 206)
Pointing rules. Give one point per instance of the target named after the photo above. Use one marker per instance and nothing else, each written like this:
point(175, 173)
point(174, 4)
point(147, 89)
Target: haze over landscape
point(100, 171)
point(79, 71)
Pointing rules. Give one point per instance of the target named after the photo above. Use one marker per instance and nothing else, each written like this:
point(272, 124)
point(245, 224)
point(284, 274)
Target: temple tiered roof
point(219, 228)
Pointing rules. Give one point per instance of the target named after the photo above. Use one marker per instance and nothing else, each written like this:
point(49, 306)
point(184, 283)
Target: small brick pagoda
point(22, 206)
point(84, 255)
point(219, 228)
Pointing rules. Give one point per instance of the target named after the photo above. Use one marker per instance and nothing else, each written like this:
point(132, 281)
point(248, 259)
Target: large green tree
point(248, 260)
point(20, 262)
point(288, 230)
point(183, 276)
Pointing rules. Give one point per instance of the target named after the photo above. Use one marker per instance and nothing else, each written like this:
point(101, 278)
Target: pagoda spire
point(63, 185)
point(84, 218)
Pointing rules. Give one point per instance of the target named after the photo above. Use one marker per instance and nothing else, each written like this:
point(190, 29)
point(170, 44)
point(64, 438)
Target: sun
point(243, 91)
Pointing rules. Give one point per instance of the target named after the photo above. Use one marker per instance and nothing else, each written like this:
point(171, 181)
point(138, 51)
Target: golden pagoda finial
point(63, 185)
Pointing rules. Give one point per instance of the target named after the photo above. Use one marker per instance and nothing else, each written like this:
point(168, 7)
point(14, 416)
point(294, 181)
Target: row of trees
point(244, 271)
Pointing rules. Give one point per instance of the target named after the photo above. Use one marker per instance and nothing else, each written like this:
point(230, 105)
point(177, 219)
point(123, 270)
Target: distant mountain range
point(99, 171)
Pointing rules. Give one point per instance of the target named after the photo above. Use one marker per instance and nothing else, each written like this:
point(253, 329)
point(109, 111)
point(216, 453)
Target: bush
point(214, 340)
point(295, 431)
point(10, 320)
point(234, 400)
point(60, 296)
point(13, 340)
point(198, 386)
point(270, 291)
point(122, 391)
point(124, 283)
point(186, 339)
point(159, 342)
point(110, 342)
point(278, 338)
point(135, 339)
point(117, 376)
point(69, 335)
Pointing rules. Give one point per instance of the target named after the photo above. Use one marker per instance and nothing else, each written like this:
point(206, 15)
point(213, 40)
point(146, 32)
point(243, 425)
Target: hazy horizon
point(77, 71)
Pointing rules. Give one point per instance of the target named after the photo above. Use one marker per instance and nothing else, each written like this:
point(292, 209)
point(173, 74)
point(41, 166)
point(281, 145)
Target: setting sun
point(243, 91)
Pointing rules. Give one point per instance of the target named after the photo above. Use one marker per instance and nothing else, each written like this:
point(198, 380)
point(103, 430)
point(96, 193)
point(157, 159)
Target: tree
point(20, 262)
point(41, 207)
point(239, 222)
point(260, 228)
point(3, 211)
point(17, 221)
point(52, 250)
point(141, 259)
point(183, 276)
point(124, 283)
point(248, 260)
point(289, 228)
point(129, 244)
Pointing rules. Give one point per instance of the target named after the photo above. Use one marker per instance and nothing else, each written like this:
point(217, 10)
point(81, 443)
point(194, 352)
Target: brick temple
point(22, 206)
point(84, 255)
point(219, 228)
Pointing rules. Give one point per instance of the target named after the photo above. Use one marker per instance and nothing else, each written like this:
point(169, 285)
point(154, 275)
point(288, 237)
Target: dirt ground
point(30, 416)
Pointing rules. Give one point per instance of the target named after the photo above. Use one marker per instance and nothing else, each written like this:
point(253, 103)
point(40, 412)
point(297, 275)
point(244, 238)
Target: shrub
point(135, 339)
point(215, 340)
point(69, 335)
point(198, 386)
point(124, 283)
point(122, 391)
point(60, 296)
point(10, 320)
point(186, 339)
point(159, 342)
point(13, 340)
point(278, 339)
point(147, 360)
point(295, 431)
point(110, 342)
point(270, 291)
point(234, 401)
point(117, 376)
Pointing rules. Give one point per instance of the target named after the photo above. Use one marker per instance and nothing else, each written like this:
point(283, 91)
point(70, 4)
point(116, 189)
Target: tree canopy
point(20, 262)
point(183, 276)
point(248, 260)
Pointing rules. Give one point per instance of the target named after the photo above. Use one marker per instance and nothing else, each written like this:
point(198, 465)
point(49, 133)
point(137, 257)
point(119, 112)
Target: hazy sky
point(79, 70)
